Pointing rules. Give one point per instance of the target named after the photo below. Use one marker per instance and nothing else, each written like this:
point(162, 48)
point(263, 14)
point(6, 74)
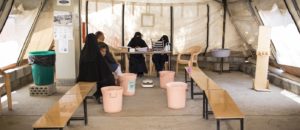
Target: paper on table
point(63, 45)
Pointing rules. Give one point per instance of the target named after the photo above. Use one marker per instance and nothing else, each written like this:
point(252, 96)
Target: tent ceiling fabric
point(189, 23)
point(156, 1)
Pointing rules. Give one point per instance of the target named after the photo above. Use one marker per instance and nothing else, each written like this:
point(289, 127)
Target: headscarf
point(137, 34)
point(137, 41)
point(164, 38)
point(90, 49)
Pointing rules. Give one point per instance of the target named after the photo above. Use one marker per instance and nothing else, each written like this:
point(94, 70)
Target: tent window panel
point(15, 32)
point(285, 35)
point(42, 37)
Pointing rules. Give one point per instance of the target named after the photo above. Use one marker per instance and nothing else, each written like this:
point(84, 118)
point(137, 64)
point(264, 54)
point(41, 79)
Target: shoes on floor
point(140, 75)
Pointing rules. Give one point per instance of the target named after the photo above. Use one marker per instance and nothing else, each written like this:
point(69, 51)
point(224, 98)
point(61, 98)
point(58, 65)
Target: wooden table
point(61, 112)
point(150, 53)
point(223, 106)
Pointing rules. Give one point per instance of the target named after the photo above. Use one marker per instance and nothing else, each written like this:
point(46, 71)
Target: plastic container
point(112, 98)
point(128, 82)
point(166, 77)
point(176, 94)
point(42, 64)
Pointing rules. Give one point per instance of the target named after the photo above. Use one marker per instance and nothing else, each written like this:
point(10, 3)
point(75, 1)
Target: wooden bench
point(222, 105)
point(198, 76)
point(7, 88)
point(60, 114)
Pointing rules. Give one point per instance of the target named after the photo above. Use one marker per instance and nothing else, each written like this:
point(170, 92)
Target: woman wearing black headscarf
point(93, 66)
point(137, 61)
point(160, 59)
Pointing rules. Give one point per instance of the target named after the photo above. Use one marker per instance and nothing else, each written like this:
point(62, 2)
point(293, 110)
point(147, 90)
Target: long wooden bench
point(198, 76)
point(222, 105)
point(60, 114)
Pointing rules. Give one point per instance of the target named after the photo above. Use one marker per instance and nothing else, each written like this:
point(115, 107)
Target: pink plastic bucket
point(166, 77)
point(127, 82)
point(176, 94)
point(112, 98)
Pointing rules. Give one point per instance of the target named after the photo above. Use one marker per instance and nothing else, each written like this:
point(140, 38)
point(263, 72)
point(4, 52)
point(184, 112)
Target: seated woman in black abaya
point(160, 59)
point(137, 61)
point(93, 67)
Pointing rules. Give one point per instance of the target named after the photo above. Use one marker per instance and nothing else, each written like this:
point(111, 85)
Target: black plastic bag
point(48, 60)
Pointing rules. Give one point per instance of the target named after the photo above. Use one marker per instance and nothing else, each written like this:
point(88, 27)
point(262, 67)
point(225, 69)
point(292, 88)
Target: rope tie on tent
point(147, 8)
point(132, 10)
point(161, 10)
point(182, 9)
point(112, 6)
point(198, 13)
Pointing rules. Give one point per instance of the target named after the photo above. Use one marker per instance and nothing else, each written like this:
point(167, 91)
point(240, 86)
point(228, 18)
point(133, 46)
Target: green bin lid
point(41, 53)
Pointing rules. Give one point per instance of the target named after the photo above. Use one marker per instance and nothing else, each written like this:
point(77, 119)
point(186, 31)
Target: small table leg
point(206, 107)
point(218, 124)
point(242, 124)
point(150, 65)
point(169, 61)
point(192, 88)
point(85, 112)
point(126, 63)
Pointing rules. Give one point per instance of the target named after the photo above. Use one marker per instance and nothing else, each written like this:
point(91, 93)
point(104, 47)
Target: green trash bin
point(42, 65)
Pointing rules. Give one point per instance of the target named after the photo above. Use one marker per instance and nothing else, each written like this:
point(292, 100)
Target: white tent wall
point(133, 22)
point(190, 22)
point(245, 24)
point(190, 28)
point(102, 17)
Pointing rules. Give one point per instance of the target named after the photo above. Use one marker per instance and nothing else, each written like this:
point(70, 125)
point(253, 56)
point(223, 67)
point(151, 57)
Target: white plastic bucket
point(176, 94)
point(128, 82)
point(166, 77)
point(112, 98)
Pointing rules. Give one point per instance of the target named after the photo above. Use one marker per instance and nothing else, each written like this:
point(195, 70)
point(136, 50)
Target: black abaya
point(137, 61)
point(93, 66)
point(160, 59)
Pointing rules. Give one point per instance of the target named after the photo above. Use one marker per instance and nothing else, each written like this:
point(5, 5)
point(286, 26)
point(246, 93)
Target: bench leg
point(85, 112)
point(68, 123)
point(242, 124)
point(203, 105)
point(192, 88)
point(206, 108)
point(218, 124)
